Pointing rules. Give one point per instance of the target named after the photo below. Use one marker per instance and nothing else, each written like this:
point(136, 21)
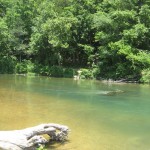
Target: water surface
point(119, 121)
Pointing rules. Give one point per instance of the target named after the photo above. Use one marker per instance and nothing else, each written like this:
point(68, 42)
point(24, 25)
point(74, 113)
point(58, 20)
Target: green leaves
point(4, 37)
point(138, 32)
point(58, 31)
point(110, 36)
point(87, 48)
point(101, 20)
point(145, 76)
point(120, 47)
point(144, 15)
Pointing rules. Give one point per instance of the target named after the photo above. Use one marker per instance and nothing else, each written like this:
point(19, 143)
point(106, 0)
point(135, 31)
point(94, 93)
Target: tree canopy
point(109, 36)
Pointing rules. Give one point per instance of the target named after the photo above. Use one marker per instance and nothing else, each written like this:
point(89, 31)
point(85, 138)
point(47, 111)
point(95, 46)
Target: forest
point(105, 39)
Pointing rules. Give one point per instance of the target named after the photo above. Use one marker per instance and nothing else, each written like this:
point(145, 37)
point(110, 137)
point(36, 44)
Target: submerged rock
point(111, 93)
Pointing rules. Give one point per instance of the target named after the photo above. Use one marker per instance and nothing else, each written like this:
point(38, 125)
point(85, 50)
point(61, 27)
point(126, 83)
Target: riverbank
point(78, 77)
point(96, 73)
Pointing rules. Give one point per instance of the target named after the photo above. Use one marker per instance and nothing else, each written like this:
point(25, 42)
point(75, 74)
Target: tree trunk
point(30, 138)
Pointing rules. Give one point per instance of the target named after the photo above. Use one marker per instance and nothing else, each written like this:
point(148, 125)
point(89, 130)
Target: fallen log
point(31, 138)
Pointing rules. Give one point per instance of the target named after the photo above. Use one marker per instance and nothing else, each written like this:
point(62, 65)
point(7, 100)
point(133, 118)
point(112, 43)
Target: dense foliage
point(108, 38)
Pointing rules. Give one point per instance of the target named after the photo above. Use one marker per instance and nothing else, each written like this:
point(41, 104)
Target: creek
point(98, 120)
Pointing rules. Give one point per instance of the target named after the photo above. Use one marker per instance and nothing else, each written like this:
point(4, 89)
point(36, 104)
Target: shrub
point(145, 76)
point(21, 67)
point(68, 73)
point(30, 66)
point(95, 72)
point(86, 74)
point(7, 64)
point(39, 69)
point(56, 71)
point(45, 70)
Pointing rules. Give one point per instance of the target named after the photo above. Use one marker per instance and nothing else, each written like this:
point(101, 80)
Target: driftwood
point(31, 138)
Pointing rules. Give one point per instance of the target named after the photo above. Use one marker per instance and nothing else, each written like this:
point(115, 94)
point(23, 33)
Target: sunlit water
point(97, 121)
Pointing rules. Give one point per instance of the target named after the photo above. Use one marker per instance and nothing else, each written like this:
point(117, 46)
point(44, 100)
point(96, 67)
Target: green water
point(97, 121)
